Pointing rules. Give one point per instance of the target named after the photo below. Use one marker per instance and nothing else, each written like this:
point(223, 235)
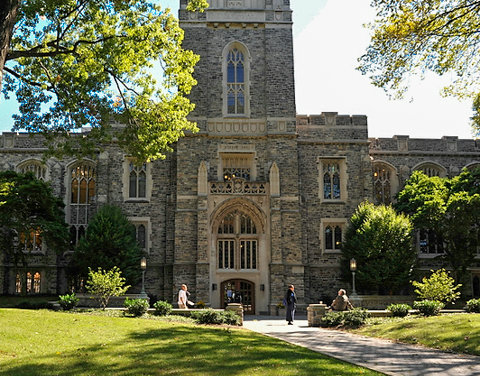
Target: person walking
point(182, 297)
point(290, 303)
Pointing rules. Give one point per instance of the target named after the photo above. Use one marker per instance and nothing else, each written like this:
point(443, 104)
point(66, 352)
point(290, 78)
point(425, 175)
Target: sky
point(328, 39)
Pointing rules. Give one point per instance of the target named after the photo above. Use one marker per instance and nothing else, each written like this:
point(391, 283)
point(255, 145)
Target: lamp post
point(353, 268)
point(143, 266)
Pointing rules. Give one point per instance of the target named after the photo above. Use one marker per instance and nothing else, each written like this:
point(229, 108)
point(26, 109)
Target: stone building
point(260, 197)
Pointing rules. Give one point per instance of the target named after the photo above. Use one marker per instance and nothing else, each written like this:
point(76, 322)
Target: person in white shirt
point(182, 297)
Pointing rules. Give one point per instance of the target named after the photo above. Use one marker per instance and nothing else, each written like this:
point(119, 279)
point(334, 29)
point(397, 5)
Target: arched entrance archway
point(238, 291)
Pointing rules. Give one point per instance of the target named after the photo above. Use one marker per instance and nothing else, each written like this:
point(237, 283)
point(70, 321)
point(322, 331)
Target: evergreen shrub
point(162, 308)
point(348, 319)
point(399, 310)
point(473, 305)
point(136, 307)
point(428, 307)
point(68, 301)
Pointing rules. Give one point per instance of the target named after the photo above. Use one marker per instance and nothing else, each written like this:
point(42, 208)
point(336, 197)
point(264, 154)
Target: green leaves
point(28, 204)
point(438, 287)
point(94, 62)
point(380, 240)
point(105, 284)
point(412, 37)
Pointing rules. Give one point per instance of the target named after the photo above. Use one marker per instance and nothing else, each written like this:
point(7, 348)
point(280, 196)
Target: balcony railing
point(238, 186)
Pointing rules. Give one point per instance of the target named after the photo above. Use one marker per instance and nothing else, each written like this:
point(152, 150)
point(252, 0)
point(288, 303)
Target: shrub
point(136, 307)
point(105, 284)
point(428, 307)
point(68, 301)
point(210, 316)
point(201, 304)
point(162, 308)
point(399, 310)
point(439, 286)
point(473, 305)
point(348, 319)
point(230, 318)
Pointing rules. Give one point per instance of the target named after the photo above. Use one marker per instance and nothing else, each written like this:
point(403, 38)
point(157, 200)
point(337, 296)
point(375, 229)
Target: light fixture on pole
point(143, 266)
point(353, 269)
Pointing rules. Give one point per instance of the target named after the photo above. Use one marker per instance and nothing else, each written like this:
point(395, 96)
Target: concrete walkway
point(380, 355)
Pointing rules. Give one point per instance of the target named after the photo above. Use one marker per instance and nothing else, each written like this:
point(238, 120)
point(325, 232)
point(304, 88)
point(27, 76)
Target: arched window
point(82, 193)
point(237, 246)
point(36, 167)
point(137, 181)
point(31, 240)
point(432, 169)
point(331, 181)
point(82, 184)
point(236, 73)
point(382, 184)
point(33, 283)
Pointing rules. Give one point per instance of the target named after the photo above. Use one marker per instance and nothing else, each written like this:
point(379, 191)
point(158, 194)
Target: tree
point(449, 207)
point(439, 286)
point(29, 214)
point(380, 240)
point(91, 62)
point(105, 284)
point(109, 241)
point(416, 36)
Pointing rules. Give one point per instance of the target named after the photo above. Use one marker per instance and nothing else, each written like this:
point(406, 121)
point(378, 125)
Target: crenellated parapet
point(332, 127)
point(423, 146)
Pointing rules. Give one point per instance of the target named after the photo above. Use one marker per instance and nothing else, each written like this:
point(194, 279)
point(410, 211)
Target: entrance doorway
point(476, 286)
point(238, 291)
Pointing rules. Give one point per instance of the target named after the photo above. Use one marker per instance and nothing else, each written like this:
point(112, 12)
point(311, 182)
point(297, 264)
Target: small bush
point(231, 318)
point(201, 304)
point(428, 307)
point(68, 301)
point(136, 307)
point(162, 308)
point(473, 305)
point(210, 316)
point(348, 319)
point(439, 286)
point(399, 310)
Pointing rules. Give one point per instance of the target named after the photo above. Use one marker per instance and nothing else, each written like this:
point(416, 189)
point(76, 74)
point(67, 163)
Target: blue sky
point(328, 38)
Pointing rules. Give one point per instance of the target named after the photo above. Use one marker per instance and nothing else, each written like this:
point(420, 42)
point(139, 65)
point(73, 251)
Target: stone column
point(315, 312)
point(237, 308)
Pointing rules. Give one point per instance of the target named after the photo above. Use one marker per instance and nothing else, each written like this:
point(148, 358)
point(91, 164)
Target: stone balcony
point(238, 187)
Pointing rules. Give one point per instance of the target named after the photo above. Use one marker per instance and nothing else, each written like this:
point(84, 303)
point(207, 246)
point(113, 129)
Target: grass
point(57, 343)
point(452, 332)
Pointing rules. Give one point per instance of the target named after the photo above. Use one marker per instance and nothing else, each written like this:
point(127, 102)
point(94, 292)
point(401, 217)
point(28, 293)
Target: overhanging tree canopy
point(90, 62)
point(416, 36)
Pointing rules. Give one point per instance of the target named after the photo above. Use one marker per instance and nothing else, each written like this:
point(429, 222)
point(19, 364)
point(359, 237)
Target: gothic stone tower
point(237, 219)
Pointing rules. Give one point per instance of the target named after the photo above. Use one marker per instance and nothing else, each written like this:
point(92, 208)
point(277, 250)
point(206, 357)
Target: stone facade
point(259, 198)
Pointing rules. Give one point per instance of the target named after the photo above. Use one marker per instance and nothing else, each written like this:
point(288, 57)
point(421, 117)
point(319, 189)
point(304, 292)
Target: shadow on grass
point(181, 350)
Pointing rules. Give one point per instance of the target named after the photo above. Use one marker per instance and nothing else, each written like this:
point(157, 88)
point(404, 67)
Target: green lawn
point(57, 343)
point(454, 332)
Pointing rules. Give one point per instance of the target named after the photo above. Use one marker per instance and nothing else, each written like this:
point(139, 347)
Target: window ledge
point(330, 201)
point(332, 251)
point(137, 200)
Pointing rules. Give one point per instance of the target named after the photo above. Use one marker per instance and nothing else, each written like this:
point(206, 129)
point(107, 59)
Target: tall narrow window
point(331, 181)
point(18, 284)
point(82, 192)
point(382, 184)
point(236, 82)
point(137, 181)
point(236, 67)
